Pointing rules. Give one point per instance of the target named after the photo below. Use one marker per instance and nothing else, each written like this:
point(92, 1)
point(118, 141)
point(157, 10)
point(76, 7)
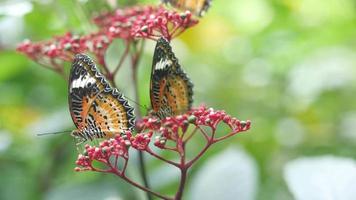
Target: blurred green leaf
point(12, 63)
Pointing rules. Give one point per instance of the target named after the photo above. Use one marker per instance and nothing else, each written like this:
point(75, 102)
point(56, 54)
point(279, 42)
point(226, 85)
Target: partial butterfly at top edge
point(171, 91)
point(97, 109)
point(197, 7)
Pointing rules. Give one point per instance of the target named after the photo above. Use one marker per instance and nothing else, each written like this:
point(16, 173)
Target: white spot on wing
point(162, 64)
point(82, 81)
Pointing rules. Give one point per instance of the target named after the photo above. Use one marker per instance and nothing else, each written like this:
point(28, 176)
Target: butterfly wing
point(198, 7)
point(171, 91)
point(96, 108)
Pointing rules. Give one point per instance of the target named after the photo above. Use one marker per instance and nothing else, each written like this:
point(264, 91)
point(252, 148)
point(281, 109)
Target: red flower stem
point(178, 33)
point(225, 136)
point(171, 148)
point(181, 148)
point(142, 187)
point(143, 172)
point(152, 38)
point(135, 58)
point(183, 170)
point(127, 179)
point(191, 135)
point(54, 68)
point(174, 30)
point(122, 58)
point(107, 74)
point(204, 133)
point(183, 178)
point(100, 170)
point(116, 160)
point(124, 168)
point(148, 150)
point(191, 162)
point(213, 129)
point(165, 31)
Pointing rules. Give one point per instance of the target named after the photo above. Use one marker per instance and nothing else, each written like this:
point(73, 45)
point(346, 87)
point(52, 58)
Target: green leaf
point(12, 63)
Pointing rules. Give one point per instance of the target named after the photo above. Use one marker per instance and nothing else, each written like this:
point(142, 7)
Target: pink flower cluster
point(145, 22)
point(128, 24)
point(114, 147)
point(174, 128)
point(63, 48)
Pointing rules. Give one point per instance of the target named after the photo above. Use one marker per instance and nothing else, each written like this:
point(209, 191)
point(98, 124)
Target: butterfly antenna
point(52, 133)
point(142, 106)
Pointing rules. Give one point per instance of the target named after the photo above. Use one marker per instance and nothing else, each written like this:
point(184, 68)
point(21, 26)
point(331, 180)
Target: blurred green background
point(288, 66)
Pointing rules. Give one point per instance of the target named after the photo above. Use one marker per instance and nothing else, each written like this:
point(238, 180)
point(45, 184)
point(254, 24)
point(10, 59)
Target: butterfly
point(171, 91)
point(198, 7)
point(97, 109)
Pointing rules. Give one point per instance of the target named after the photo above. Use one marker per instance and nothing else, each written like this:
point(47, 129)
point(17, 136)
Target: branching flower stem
point(135, 58)
point(121, 174)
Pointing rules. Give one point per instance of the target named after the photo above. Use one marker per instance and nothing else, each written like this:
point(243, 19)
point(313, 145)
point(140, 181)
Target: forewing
point(94, 106)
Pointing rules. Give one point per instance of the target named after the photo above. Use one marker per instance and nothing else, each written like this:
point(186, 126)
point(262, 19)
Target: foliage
point(287, 65)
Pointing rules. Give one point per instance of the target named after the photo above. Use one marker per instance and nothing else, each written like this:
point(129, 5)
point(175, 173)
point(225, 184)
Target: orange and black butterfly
point(171, 90)
point(197, 7)
point(97, 109)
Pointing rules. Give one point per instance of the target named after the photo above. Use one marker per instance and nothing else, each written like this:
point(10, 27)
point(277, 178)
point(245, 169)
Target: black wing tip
point(163, 45)
point(205, 8)
point(83, 58)
point(163, 41)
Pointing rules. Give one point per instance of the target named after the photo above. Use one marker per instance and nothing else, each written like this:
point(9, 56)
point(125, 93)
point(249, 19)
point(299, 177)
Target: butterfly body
point(198, 7)
point(171, 90)
point(97, 109)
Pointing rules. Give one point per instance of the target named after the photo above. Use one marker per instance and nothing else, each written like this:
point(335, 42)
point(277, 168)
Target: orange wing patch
point(108, 116)
point(178, 95)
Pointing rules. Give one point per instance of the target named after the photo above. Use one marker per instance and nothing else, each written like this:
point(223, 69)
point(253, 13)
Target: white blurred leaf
point(250, 16)
point(321, 178)
point(290, 132)
point(163, 176)
point(15, 8)
point(231, 174)
point(348, 126)
point(327, 69)
point(85, 192)
point(5, 140)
